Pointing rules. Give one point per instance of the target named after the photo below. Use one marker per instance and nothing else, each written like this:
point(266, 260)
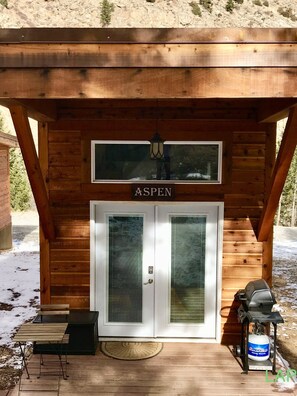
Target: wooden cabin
point(158, 246)
point(6, 142)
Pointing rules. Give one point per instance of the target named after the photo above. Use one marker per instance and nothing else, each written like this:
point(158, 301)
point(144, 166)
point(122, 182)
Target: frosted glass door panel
point(125, 268)
point(187, 269)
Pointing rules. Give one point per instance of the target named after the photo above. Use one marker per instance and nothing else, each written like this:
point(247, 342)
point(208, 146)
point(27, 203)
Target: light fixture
point(157, 147)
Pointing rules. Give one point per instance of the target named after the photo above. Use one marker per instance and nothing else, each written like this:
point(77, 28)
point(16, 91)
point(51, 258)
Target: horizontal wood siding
point(70, 192)
point(70, 251)
point(242, 254)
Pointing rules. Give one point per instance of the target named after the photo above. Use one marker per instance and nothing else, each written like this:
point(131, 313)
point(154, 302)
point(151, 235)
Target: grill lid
point(257, 296)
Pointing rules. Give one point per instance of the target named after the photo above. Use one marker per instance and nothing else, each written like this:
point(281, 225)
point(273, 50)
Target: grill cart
point(256, 350)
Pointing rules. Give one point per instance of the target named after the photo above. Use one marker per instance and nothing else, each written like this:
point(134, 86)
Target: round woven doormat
point(131, 350)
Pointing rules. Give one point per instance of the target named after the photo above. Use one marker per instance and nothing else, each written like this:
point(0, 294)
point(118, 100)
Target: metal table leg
point(23, 355)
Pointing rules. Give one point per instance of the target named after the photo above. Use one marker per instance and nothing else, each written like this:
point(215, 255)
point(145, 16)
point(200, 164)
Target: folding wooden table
point(51, 333)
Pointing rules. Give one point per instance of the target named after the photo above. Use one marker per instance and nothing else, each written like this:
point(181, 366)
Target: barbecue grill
point(256, 303)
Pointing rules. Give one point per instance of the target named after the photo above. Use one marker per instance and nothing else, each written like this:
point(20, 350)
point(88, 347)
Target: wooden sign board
point(153, 192)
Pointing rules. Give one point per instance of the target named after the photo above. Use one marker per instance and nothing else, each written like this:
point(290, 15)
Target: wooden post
point(45, 275)
point(279, 174)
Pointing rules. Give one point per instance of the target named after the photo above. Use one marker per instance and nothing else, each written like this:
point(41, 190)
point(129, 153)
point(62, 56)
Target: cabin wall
point(65, 160)
point(5, 217)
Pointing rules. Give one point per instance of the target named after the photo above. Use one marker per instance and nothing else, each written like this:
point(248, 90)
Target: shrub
point(265, 3)
point(195, 8)
point(257, 2)
point(107, 9)
point(20, 193)
point(239, 1)
point(207, 4)
point(4, 3)
point(287, 13)
point(230, 6)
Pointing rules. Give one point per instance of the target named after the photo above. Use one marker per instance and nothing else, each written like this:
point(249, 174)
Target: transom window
point(126, 161)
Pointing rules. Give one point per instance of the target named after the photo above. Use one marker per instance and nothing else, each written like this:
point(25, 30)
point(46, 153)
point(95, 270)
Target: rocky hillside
point(148, 13)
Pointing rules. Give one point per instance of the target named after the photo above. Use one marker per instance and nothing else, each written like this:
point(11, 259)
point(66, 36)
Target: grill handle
point(240, 295)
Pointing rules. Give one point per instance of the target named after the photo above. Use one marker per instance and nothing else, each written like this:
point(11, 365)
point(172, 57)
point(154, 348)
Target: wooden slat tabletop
point(53, 332)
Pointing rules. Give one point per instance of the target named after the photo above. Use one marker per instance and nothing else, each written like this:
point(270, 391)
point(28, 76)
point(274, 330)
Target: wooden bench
point(54, 309)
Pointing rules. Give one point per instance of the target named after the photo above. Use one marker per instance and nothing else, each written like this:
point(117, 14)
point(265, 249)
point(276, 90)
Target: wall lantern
point(157, 147)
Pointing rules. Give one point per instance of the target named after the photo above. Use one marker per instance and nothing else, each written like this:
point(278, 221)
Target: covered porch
point(180, 369)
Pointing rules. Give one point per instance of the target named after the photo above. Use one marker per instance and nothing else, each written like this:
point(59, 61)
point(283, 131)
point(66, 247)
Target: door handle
point(150, 281)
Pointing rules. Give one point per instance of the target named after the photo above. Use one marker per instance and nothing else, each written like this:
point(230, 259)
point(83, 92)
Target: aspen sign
point(153, 192)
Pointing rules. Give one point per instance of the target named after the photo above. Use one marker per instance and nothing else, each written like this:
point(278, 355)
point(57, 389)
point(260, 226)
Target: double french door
point(155, 269)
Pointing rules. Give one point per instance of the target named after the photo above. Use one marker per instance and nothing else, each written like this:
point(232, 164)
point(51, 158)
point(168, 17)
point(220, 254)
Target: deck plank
point(180, 369)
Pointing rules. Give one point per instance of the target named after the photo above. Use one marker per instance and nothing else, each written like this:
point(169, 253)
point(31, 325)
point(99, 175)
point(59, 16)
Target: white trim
point(93, 281)
point(220, 238)
point(160, 339)
point(173, 142)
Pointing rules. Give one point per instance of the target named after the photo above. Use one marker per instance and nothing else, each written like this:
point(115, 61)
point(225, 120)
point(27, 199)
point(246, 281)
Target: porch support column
point(279, 174)
point(26, 143)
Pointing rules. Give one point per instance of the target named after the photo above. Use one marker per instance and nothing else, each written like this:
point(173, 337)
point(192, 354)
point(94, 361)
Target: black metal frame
point(248, 317)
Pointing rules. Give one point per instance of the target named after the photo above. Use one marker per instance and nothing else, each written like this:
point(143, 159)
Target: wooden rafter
point(273, 110)
point(26, 143)
point(279, 175)
point(44, 111)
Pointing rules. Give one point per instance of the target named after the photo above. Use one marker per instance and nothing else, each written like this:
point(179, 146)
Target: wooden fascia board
point(26, 143)
point(279, 174)
point(40, 110)
point(8, 140)
point(154, 83)
point(148, 55)
point(147, 35)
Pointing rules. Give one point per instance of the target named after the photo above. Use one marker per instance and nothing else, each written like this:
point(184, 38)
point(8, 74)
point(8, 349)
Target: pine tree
point(287, 206)
point(20, 192)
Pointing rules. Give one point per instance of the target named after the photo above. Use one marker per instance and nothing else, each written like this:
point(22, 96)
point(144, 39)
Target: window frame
point(219, 143)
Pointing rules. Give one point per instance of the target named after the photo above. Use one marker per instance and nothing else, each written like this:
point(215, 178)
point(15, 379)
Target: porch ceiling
point(260, 109)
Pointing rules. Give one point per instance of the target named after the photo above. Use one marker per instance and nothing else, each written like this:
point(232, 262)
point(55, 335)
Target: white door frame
point(94, 275)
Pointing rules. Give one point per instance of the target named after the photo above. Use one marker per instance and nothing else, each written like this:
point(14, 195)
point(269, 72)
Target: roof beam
point(153, 83)
point(279, 174)
point(26, 143)
point(147, 55)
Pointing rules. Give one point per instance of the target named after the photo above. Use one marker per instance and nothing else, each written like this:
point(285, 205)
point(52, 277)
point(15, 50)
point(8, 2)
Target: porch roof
point(205, 72)
point(8, 140)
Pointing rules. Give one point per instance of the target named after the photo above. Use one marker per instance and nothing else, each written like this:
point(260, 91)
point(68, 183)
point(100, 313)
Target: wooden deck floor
point(180, 369)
